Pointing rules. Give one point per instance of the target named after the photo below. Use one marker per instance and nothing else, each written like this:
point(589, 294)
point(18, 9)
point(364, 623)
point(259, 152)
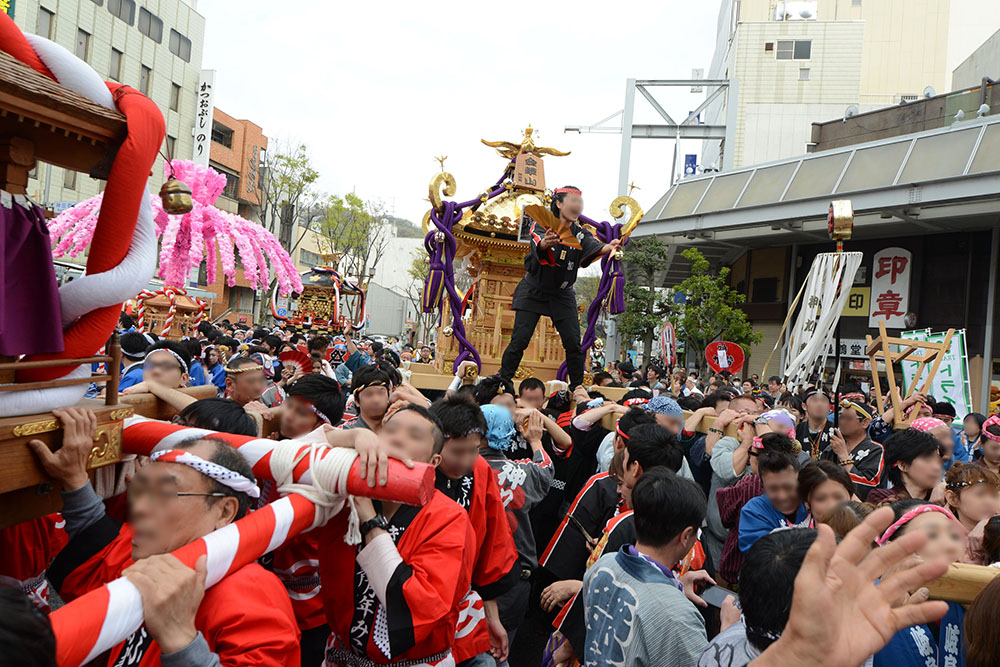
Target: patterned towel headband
point(924, 424)
point(861, 412)
point(635, 401)
point(992, 421)
point(223, 476)
point(379, 383)
point(309, 404)
point(910, 516)
point(173, 354)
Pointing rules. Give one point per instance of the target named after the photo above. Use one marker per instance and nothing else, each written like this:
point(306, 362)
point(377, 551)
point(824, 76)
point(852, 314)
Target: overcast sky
point(377, 89)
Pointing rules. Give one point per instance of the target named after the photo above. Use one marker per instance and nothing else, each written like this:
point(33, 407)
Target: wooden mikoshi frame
point(931, 352)
point(961, 583)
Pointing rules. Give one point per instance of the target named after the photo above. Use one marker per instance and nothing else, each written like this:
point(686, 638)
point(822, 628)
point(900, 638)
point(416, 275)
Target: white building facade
point(154, 46)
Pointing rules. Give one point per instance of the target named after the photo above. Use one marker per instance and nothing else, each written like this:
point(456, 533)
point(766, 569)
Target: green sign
point(951, 382)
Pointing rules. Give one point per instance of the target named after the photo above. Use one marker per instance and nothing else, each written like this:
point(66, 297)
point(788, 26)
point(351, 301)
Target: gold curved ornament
point(523, 372)
point(34, 428)
point(107, 447)
point(450, 188)
point(121, 413)
point(425, 224)
point(635, 216)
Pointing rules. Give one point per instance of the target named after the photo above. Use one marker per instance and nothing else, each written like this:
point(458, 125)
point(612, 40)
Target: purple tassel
point(432, 290)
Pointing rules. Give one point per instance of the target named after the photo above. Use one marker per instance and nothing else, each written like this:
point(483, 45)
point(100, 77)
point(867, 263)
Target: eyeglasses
point(164, 495)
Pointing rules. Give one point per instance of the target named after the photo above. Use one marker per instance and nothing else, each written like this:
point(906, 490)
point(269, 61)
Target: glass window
point(46, 20)
point(988, 156)
point(82, 44)
point(222, 134)
point(874, 167)
point(115, 68)
point(767, 185)
point(804, 73)
point(175, 96)
point(145, 74)
point(69, 179)
point(180, 45)
point(150, 25)
point(310, 258)
point(171, 142)
point(724, 191)
point(797, 49)
point(686, 195)
point(232, 189)
point(816, 176)
point(123, 9)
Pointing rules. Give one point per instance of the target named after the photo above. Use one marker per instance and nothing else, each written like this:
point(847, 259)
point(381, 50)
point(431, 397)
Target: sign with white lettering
point(202, 130)
point(890, 298)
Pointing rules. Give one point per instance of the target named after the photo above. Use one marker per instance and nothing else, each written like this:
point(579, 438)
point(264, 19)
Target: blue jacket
point(197, 374)
point(758, 518)
point(131, 377)
point(915, 646)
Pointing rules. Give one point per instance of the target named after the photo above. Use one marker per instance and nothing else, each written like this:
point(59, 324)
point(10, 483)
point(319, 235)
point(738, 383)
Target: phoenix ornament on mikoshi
point(204, 234)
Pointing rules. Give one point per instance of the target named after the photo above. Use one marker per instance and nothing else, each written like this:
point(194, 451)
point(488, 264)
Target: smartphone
point(715, 595)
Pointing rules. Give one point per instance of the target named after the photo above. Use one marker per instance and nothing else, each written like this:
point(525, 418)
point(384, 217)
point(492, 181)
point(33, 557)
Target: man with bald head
point(182, 495)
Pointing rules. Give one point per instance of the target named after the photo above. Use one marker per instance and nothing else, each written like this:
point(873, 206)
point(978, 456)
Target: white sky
point(377, 89)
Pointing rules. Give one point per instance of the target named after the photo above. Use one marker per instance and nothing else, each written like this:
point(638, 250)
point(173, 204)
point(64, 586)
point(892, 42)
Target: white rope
point(816, 324)
point(325, 485)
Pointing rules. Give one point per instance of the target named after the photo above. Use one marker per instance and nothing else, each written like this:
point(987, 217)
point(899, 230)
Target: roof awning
point(939, 180)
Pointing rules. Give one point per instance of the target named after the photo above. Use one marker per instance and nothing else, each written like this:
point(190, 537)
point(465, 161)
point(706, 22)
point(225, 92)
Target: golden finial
point(632, 186)
point(511, 150)
point(441, 159)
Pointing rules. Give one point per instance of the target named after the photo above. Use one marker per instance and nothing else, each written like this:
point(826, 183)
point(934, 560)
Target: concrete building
point(237, 151)
point(799, 61)
point(984, 62)
point(389, 311)
point(153, 46)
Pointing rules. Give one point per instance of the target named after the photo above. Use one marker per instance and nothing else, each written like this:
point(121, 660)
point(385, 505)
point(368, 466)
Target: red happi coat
point(436, 543)
point(246, 618)
point(495, 570)
point(27, 548)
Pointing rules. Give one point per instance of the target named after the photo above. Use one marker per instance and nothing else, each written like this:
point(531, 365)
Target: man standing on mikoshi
point(547, 288)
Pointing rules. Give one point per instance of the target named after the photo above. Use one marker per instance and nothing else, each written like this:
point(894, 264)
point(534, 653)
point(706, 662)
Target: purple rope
point(610, 267)
point(441, 275)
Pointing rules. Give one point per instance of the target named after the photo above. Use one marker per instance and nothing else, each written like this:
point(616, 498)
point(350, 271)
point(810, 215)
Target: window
point(123, 9)
point(232, 189)
point(82, 44)
point(222, 134)
point(241, 299)
point(150, 25)
point(804, 73)
point(310, 258)
point(69, 179)
point(175, 96)
point(180, 45)
point(855, 3)
point(768, 47)
point(171, 142)
point(799, 49)
point(115, 68)
point(145, 74)
point(45, 23)
point(99, 3)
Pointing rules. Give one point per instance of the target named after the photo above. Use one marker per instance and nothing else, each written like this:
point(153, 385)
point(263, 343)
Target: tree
point(710, 309)
point(586, 291)
point(418, 270)
point(285, 194)
point(645, 309)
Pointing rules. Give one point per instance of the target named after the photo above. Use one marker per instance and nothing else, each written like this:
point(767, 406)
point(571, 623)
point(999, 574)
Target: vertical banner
point(890, 297)
point(951, 382)
point(203, 118)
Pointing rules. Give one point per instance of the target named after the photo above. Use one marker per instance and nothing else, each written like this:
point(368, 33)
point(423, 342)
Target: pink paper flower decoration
point(204, 234)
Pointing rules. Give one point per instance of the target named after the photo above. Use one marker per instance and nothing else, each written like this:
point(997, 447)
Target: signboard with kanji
point(529, 172)
point(951, 382)
point(203, 118)
point(857, 302)
point(668, 343)
point(890, 295)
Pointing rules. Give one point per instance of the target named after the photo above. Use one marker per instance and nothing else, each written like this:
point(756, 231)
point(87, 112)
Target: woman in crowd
point(972, 434)
point(918, 645)
point(989, 445)
point(823, 485)
point(845, 517)
point(942, 433)
point(913, 467)
point(214, 368)
point(981, 629)
point(972, 493)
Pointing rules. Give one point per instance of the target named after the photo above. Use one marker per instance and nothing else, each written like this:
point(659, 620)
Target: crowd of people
point(567, 528)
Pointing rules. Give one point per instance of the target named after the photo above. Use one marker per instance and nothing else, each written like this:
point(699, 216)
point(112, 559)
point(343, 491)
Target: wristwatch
point(377, 521)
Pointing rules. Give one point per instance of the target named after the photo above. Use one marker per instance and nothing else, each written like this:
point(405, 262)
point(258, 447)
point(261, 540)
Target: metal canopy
point(919, 173)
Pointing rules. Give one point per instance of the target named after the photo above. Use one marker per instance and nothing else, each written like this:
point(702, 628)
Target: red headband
point(567, 191)
point(618, 430)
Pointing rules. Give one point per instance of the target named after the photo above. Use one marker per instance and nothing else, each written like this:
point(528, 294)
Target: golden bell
point(176, 197)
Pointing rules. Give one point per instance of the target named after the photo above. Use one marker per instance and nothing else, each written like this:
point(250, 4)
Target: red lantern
point(723, 356)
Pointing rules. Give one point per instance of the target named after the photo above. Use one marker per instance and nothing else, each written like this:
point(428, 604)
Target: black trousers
point(525, 322)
